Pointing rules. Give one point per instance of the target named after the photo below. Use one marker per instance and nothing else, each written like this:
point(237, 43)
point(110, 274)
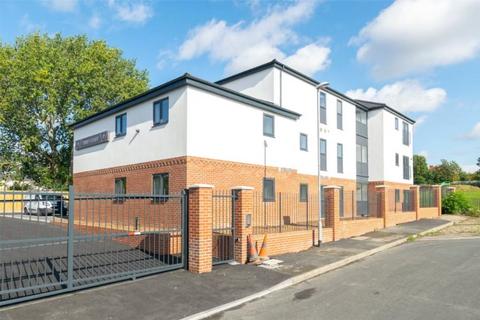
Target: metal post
point(71, 204)
point(184, 228)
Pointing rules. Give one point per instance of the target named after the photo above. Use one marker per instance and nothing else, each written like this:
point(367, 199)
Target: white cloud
point(61, 5)
point(423, 153)
point(411, 36)
point(420, 120)
point(474, 133)
point(131, 12)
point(246, 44)
point(94, 22)
point(404, 96)
point(28, 25)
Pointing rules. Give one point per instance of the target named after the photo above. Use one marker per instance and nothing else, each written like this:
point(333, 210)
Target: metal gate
point(55, 242)
point(223, 227)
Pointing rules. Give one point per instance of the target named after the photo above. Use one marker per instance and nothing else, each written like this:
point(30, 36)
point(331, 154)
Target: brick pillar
point(438, 189)
point(416, 200)
point(382, 201)
point(243, 211)
point(332, 210)
point(200, 228)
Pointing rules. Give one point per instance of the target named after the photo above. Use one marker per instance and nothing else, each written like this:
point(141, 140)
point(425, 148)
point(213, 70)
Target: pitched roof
point(188, 80)
point(372, 105)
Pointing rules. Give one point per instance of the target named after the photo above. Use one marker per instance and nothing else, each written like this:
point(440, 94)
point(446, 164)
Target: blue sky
point(421, 57)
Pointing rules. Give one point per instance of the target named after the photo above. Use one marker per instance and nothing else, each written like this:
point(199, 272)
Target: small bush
point(456, 203)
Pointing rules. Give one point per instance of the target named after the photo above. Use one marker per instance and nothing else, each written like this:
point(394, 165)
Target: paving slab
point(177, 294)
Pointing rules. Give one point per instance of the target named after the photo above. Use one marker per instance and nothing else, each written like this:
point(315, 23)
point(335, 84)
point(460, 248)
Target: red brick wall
point(279, 243)
point(352, 228)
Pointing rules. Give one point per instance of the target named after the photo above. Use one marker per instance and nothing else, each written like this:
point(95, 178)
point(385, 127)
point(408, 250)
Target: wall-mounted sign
point(91, 141)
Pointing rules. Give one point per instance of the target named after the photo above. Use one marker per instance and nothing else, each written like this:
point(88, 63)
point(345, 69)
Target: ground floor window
point(362, 198)
point(160, 186)
point(268, 189)
point(120, 188)
point(303, 192)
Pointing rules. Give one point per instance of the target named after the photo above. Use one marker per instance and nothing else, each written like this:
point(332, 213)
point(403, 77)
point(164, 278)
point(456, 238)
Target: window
point(339, 115)
point(406, 168)
point(121, 125)
point(268, 189)
point(396, 123)
point(397, 195)
point(362, 198)
point(160, 112)
point(303, 142)
point(397, 159)
point(406, 134)
point(361, 116)
point(339, 158)
point(303, 192)
point(120, 188)
point(342, 202)
point(268, 125)
point(160, 186)
point(323, 154)
point(362, 153)
point(323, 108)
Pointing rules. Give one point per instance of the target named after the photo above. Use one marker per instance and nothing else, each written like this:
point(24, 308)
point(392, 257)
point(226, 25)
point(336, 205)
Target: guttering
point(370, 105)
point(188, 80)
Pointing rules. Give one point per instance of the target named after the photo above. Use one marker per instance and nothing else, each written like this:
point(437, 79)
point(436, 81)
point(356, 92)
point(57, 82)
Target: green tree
point(447, 171)
point(421, 174)
point(48, 82)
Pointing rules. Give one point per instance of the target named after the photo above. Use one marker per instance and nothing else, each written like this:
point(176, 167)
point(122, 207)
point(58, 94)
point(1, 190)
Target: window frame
point(405, 134)
point(267, 134)
point(397, 126)
point(339, 158)
point(323, 160)
point(406, 168)
point(159, 103)
point(272, 198)
point(304, 135)
point(123, 125)
point(117, 198)
point(323, 107)
point(303, 192)
point(160, 197)
point(339, 114)
point(397, 159)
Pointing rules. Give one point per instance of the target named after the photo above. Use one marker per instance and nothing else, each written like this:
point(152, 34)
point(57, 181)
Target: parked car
point(45, 204)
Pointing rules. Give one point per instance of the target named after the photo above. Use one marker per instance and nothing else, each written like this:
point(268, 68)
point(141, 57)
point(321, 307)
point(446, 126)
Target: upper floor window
point(121, 125)
point(323, 154)
point(268, 189)
point(361, 116)
point(339, 158)
point(406, 168)
point(406, 134)
point(339, 115)
point(397, 159)
point(396, 123)
point(160, 112)
point(268, 125)
point(362, 153)
point(160, 186)
point(323, 108)
point(303, 192)
point(303, 142)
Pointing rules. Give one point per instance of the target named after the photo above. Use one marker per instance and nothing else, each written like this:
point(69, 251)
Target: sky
point(420, 57)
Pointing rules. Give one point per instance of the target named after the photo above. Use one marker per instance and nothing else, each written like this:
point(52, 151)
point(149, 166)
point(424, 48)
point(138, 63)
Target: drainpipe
point(319, 188)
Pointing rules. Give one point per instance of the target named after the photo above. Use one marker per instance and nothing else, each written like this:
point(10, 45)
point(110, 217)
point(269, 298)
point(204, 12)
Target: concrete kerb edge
point(307, 275)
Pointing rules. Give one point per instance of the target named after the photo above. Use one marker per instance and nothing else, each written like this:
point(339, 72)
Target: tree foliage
point(48, 82)
point(421, 174)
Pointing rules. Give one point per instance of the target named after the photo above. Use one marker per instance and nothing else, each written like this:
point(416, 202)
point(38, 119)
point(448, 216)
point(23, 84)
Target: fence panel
point(223, 226)
point(401, 200)
point(428, 197)
point(61, 242)
point(288, 212)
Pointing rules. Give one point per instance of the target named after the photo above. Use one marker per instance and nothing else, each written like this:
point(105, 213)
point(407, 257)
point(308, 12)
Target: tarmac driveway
point(420, 280)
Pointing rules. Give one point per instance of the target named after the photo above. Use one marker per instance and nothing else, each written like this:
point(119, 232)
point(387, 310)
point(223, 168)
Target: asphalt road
point(419, 280)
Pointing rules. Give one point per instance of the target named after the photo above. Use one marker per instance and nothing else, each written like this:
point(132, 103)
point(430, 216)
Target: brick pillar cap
point(332, 187)
point(201, 185)
point(381, 186)
point(242, 188)
point(415, 186)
